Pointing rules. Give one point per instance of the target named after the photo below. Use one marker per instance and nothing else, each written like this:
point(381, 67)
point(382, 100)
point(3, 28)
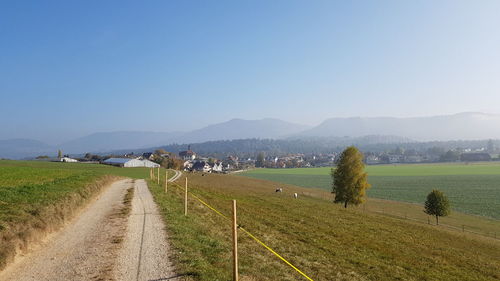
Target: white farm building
point(150, 164)
point(69, 160)
point(130, 163)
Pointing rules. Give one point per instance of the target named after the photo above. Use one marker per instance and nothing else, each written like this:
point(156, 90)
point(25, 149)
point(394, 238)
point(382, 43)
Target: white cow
point(295, 195)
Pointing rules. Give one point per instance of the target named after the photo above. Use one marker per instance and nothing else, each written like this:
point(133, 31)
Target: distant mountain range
point(21, 148)
point(243, 129)
point(106, 141)
point(463, 126)
point(112, 141)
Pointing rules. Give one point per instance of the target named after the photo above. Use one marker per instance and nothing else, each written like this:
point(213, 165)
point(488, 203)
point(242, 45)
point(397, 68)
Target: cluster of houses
point(189, 161)
point(462, 156)
point(193, 163)
point(383, 158)
point(328, 160)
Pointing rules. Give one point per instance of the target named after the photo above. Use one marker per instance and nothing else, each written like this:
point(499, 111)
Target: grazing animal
point(279, 189)
point(295, 195)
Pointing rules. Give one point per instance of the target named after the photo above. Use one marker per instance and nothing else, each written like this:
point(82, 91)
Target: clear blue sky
point(70, 68)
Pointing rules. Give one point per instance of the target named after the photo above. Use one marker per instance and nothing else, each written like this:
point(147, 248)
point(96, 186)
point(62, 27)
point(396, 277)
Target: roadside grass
point(322, 239)
point(38, 197)
point(472, 188)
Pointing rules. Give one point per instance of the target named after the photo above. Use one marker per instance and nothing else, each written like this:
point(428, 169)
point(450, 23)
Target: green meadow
point(471, 188)
point(324, 240)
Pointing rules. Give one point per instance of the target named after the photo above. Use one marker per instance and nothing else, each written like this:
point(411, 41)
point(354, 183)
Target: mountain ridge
point(460, 126)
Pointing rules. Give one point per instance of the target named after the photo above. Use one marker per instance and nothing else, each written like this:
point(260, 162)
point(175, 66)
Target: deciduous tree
point(437, 205)
point(349, 178)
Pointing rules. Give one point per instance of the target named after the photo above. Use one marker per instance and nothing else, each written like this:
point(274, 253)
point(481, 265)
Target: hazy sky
point(69, 68)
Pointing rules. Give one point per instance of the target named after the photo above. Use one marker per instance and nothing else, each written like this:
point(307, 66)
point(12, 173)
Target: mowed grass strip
point(38, 197)
point(324, 240)
point(472, 188)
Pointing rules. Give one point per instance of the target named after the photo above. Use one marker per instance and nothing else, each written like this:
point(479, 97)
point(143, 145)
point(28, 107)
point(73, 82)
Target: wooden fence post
point(158, 175)
point(235, 244)
point(166, 181)
point(186, 198)
point(463, 228)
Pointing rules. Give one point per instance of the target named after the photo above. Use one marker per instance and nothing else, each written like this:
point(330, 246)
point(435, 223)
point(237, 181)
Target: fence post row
point(186, 198)
point(235, 244)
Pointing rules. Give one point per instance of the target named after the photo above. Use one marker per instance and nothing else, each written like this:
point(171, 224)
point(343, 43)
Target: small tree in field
point(437, 205)
point(349, 178)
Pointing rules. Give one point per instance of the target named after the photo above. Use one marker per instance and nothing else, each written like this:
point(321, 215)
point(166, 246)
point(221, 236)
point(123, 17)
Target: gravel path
point(177, 175)
point(103, 244)
point(144, 255)
point(84, 249)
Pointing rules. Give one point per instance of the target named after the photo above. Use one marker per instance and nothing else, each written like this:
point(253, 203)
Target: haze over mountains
point(463, 126)
point(22, 148)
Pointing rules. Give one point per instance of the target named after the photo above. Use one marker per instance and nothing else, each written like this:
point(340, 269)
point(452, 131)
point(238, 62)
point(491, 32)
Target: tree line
point(370, 144)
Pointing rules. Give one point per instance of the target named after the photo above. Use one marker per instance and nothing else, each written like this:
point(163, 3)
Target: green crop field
point(471, 188)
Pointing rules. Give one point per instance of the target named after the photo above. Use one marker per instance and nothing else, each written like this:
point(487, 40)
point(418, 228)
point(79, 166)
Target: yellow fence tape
point(248, 233)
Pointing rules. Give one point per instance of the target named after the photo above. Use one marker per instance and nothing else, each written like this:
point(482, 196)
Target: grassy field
point(325, 241)
point(471, 188)
point(322, 239)
point(38, 197)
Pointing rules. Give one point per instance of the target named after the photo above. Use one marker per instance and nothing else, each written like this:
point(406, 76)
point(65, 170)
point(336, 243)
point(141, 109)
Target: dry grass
point(127, 202)
point(324, 240)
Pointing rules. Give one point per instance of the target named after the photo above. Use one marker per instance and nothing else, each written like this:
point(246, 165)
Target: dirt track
point(101, 244)
point(144, 255)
